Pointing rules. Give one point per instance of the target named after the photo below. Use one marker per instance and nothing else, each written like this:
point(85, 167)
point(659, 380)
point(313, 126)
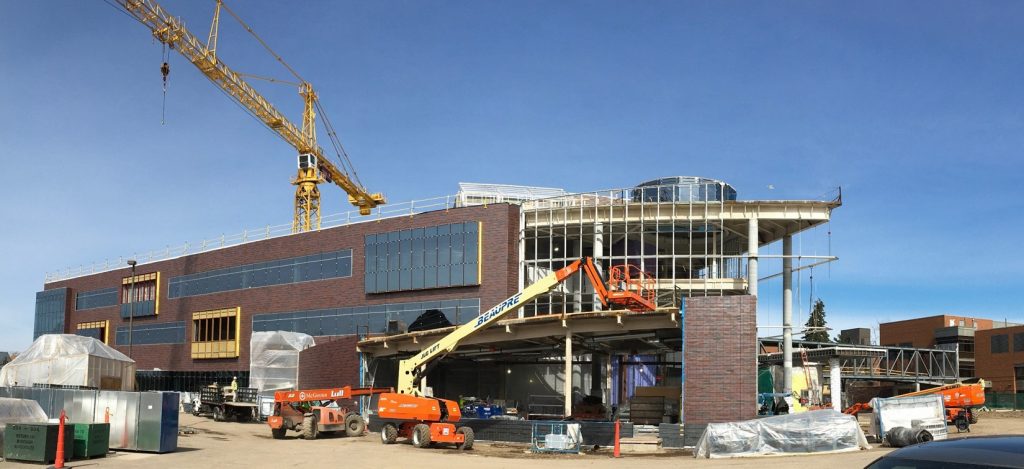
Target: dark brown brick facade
point(499, 280)
point(332, 363)
point(720, 359)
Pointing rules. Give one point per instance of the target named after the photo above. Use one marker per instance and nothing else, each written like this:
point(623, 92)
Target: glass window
point(51, 307)
point(96, 299)
point(151, 334)
point(433, 257)
point(321, 266)
point(999, 343)
point(1018, 342)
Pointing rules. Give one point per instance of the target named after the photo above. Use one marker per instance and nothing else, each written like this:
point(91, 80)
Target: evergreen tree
point(817, 320)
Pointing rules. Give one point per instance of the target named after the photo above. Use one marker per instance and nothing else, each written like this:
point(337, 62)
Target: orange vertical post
point(59, 459)
point(618, 452)
point(106, 415)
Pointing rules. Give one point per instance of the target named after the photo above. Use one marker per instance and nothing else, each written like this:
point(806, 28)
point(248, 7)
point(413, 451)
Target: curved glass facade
point(682, 189)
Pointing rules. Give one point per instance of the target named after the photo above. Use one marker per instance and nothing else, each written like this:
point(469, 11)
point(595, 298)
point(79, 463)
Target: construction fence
point(1004, 400)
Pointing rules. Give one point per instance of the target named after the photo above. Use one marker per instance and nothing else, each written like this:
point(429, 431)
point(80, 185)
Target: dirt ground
point(229, 444)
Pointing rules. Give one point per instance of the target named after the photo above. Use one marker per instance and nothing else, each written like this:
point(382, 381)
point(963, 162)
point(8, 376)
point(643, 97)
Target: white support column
point(567, 389)
point(598, 252)
point(752, 244)
point(835, 383)
point(787, 313)
point(607, 397)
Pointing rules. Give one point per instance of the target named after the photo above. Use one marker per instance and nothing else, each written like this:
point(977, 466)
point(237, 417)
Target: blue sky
point(914, 108)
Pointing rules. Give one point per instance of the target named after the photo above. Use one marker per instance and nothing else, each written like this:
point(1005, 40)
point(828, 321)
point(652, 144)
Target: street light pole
point(131, 306)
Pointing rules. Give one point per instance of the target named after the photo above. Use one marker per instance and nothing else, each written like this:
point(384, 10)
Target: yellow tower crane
point(313, 166)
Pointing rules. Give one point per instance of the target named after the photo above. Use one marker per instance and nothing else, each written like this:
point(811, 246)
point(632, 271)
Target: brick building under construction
point(372, 288)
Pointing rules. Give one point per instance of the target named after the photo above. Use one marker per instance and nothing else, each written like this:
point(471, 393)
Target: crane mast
point(314, 167)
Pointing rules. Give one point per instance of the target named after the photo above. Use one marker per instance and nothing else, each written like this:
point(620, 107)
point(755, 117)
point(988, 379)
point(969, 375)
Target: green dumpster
point(91, 439)
point(36, 442)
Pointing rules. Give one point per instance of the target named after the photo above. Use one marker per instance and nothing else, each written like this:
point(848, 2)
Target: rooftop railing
point(256, 234)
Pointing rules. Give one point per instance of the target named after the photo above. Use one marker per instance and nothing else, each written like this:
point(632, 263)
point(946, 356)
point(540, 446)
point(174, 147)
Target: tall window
point(215, 333)
point(433, 257)
point(141, 296)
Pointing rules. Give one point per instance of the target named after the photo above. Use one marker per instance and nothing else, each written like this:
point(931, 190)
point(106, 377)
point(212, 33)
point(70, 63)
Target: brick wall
point(920, 332)
point(331, 363)
point(499, 280)
point(720, 359)
point(997, 367)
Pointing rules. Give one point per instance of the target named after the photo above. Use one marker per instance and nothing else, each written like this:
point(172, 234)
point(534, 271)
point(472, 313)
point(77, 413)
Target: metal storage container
point(91, 439)
point(36, 442)
point(157, 430)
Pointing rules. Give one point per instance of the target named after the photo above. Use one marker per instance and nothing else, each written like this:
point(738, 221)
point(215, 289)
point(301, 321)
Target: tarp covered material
point(274, 359)
point(18, 411)
point(902, 411)
point(816, 431)
point(70, 360)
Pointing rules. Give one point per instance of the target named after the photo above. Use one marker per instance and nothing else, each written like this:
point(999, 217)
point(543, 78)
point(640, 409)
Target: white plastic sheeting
point(274, 359)
point(18, 411)
point(902, 411)
point(816, 431)
point(70, 360)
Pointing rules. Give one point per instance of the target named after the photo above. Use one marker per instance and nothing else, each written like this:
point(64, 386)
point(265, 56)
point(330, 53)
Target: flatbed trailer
point(213, 402)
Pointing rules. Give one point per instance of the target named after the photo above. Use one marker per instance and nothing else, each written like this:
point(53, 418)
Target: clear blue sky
point(915, 108)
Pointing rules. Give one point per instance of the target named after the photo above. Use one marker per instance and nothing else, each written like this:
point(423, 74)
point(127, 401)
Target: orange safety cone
point(58, 462)
point(618, 451)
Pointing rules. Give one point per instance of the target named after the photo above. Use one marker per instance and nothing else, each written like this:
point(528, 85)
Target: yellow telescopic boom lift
point(313, 165)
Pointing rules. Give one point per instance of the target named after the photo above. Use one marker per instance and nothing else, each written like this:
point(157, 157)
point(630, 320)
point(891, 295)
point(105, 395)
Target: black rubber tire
point(973, 419)
point(309, 428)
point(354, 425)
point(218, 414)
point(420, 436)
point(962, 425)
point(278, 433)
point(468, 444)
point(922, 435)
point(388, 434)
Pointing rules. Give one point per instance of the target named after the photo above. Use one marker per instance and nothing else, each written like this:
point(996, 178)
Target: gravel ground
point(229, 444)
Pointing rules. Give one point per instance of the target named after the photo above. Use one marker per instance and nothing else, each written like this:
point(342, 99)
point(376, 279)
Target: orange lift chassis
point(308, 412)
point(423, 420)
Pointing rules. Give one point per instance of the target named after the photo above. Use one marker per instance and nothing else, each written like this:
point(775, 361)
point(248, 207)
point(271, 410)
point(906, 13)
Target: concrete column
point(835, 383)
point(787, 313)
point(752, 242)
point(567, 389)
point(598, 252)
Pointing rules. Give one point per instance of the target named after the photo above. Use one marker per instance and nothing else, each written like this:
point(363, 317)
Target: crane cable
point(165, 70)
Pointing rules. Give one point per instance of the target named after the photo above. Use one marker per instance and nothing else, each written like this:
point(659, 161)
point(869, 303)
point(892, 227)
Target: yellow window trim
point(218, 348)
point(105, 325)
point(145, 278)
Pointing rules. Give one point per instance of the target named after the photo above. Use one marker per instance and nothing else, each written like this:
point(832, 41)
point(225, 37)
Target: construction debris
point(817, 431)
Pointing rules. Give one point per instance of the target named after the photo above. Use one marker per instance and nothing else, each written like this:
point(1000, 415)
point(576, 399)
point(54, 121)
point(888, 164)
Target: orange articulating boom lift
point(423, 420)
point(306, 412)
point(959, 399)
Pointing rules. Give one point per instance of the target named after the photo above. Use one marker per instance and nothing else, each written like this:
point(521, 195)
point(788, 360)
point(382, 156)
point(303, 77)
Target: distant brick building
point(999, 353)
point(942, 331)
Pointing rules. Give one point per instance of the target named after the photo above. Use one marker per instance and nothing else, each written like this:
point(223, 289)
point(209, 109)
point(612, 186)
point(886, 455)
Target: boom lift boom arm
point(412, 370)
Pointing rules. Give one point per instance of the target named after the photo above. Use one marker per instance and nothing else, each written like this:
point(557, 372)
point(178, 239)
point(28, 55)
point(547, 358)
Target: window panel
point(277, 272)
point(439, 256)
